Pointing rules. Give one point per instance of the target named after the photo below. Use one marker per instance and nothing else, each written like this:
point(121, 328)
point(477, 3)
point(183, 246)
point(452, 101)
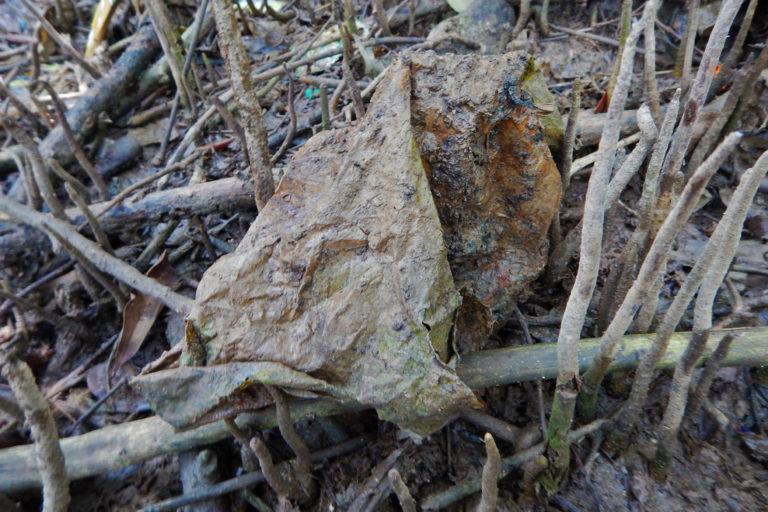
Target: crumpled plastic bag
point(343, 283)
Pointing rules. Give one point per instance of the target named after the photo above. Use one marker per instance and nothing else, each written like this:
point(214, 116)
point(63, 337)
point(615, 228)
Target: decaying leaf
point(140, 314)
point(345, 275)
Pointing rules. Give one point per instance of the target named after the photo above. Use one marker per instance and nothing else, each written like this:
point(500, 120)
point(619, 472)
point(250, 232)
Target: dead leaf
point(141, 312)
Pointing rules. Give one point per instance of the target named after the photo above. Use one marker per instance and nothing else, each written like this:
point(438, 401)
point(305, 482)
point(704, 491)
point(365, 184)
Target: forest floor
point(721, 462)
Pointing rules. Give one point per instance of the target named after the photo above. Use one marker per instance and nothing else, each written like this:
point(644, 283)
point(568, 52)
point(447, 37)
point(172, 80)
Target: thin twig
point(95, 407)
point(736, 48)
point(708, 374)
point(700, 86)
point(539, 392)
point(291, 126)
point(566, 154)
point(145, 181)
point(40, 173)
point(60, 40)
point(100, 259)
point(649, 71)
point(401, 490)
point(101, 236)
point(77, 150)
point(489, 489)
point(250, 479)
point(59, 171)
point(499, 428)
point(685, 50)
point(294, 440)
point(472, 485)
point(522, 17)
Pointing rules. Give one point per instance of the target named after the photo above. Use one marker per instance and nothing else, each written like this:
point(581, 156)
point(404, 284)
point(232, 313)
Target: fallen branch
point(75, 242)
point(118, 446)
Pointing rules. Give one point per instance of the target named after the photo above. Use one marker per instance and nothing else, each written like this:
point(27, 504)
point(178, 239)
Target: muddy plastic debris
point(495, 185)
point(348, 276)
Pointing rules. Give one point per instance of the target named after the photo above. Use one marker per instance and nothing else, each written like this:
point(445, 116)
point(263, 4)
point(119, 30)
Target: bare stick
point(443, 499)
point(714, 263)
point(545, 17)
point(100, 259)
point(566, 154)
point(271, 475)
point(401, 490)
point(584, 285)
point(654, 262)
point(289, 433)
point(169, 42)
point(233, 50)
point(749, 89)
point(698, 92)
point(617, 283)
point(636, 248)
point(489, 489)
point(118, 446)
point(349, 78)
point(649, 72)
point(500, 428)
point(77, 150)
point(101, 236)
point(250, 462)
point(685, 50)
point(291, 127)
point(61, 40)
point(736, 48)
point(42, 180)
point(715, 128)
point(250, 479)
point(50, 460)
point(232, 124)
point(381, 17)
point(522, 17)
point(711, 367)
point(104, 208)
point(648, 134)
point(59, 171)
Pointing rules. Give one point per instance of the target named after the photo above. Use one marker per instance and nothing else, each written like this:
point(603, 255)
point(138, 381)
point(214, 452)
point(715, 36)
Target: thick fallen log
point(119, 446)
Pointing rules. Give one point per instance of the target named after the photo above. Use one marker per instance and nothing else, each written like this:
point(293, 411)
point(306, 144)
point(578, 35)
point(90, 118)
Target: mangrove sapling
point(722, 248)
point(566, 392)
point(654, 262)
